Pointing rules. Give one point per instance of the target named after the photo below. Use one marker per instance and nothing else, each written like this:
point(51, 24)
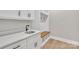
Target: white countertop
point(8, 39)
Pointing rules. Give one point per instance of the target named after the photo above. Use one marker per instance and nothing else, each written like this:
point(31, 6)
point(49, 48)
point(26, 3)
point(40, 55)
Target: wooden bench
point(44, 35)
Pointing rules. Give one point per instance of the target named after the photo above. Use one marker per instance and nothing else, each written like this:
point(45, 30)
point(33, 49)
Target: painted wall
point(9, 26)
point(65, 24)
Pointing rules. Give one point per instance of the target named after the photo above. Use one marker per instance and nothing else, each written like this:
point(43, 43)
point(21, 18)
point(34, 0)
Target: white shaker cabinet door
point(28, 14)
point(8, 13)
point(34, 42)
point(30, 44)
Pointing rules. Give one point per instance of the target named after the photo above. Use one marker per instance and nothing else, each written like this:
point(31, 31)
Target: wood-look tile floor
point(56, 44)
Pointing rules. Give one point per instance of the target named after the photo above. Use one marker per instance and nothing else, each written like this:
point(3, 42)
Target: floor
point(56, 44)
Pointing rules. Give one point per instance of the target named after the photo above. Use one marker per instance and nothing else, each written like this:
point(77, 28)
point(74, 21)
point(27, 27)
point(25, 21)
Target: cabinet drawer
point(9, 13)
point(29, 14)
point(17, 45)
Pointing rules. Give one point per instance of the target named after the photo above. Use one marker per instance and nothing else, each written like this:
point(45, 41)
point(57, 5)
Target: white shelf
point(44, 12)
point(43, 16)
point(16, 18)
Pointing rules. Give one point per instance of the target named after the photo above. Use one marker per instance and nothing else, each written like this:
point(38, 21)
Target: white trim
point(44, 42)
point(61, 39)
point(65, 40)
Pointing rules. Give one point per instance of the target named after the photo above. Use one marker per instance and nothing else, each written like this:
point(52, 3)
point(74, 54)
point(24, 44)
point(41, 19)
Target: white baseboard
point(65, 40)
point(61, 39)
point(44, 42)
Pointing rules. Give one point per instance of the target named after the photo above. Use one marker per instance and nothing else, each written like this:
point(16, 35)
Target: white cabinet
point(34, 42)
point(41, 21)
point(28, 14)
point(18, 45)
point(17, 14)
point(8, 13)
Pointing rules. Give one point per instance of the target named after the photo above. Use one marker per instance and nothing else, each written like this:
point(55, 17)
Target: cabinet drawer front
point(27, 14)
point(9, 13)
point(18, 45)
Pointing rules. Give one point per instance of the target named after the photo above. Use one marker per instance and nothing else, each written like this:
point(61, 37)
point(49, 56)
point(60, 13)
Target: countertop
point(8, 39)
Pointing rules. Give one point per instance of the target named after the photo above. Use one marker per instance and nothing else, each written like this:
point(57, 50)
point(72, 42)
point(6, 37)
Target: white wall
point(65, 24)
point(35, 22)
point(9, 26)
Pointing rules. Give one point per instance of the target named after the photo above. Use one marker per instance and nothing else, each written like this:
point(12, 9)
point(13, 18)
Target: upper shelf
point(44, 12)
point(43, 16)
point(15, 18)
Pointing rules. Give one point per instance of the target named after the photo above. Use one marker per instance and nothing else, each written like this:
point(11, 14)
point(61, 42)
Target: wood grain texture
point(56, 44)
point(43, 34)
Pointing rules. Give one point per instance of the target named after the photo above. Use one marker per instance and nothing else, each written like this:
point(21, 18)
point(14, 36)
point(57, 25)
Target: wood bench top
point(43, 34)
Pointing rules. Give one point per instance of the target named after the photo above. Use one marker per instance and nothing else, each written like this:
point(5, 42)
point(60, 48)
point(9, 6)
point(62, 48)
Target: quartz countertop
point(8, 39)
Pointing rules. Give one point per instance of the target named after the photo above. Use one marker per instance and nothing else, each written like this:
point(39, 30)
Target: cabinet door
point(9, 13)
point(28, 14)
point(34, 41)
point(30, 44)
point(19, 45)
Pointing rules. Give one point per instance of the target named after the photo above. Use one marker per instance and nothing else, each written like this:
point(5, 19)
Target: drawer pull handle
point(35, 44)
point(16, 47)
point(19, 13)
point(29, 14)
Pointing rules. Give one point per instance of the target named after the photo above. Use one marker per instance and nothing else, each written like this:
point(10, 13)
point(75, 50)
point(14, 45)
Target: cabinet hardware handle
point(16, 47)
point(29, 15)
point(19, 13)
point(35, 44)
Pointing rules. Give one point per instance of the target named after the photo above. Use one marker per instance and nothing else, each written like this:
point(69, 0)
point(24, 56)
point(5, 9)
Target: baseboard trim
point(64, 40)
point(44, 43)
point(61, 39)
